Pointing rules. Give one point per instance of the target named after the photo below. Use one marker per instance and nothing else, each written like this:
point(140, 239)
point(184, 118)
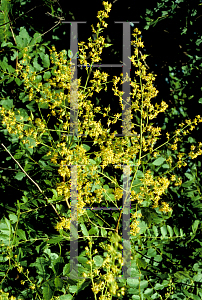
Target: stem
point(141, 125)
point(88, 77)
point(32, 181)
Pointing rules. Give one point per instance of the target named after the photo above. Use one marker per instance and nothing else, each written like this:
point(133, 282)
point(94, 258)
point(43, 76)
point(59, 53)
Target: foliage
point(34, 257)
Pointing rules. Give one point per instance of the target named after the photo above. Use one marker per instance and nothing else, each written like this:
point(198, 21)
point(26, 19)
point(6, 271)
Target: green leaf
point(176, 231)
point(28, 167)
point(140, 174)
point(43, 105)
point(133, 282)
point(196, 198)
point(23, 38)
point(47, 75)
point(7, 103)
point(23, 97)
point(163, 230)
point(141, 263)
point(143, 227)
point(30, 106)
point(187, 183)
point(70, 53)
point(164, 13)
point(198, 42)
point(107, 45)
point(58, 283)
point(195, 225)
point(6, 231)
point(181, 232)
point(10, 69)
point(165, 166)
point(9, 44)
point(92, 161)
point(4, 63)
point(36, 39)
point(48, 291)
point(151, 252)
point(66, 269)
point(84, 229)
point(84, 285)
point(158, 258)
point(135, 297)
point(170, 230)
point(73, 289)
point(56, 239)
point(36, 65)
point(95, 187)
point(48, 182)
point(20, 175)
point(158, 161)
point(143, 284)
point(158, 286)
point(41, 265)
point(189, 176)
point(21, 234)
point(148, 292)
point(98, 260)
point(13, 218)
point(55, 194)
point(10, 80)
point(66, 297)
point(155, 230)
point(18, 81)
point(182, 274)
point(45, 59)
point(82, 259)
point(184, 31)
point(5, 226)
point(94, 231)
point(87, 148)
point(103, 232)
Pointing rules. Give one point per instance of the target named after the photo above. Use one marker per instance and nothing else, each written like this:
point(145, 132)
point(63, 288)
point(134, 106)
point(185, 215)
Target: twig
point(117, 226)
point(32, 181)
point(22, 15)
point(12, 31)
point(9, 169)
point(59, 18)
point(15, 43)
point(198, 17)
point(57, 23)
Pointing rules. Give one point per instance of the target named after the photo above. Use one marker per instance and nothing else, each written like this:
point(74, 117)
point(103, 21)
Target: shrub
point(37, 255)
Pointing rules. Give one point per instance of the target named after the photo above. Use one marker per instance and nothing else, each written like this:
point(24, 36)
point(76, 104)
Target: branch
point(57, 23)
point(12, 32)
point(9, 169)
point(60, 18)
point(15, 43)
point(117, 226)
point(22, 15)
point(32, 181)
